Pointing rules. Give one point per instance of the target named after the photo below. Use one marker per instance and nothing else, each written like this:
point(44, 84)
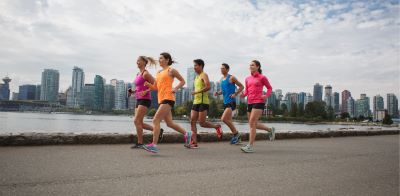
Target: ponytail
point(149, 60)
point(259, 66)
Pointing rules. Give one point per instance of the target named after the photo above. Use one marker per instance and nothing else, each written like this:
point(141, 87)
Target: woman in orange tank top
point(166, 99)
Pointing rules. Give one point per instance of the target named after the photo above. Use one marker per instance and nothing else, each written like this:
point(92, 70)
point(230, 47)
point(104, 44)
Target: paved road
point(329, 166)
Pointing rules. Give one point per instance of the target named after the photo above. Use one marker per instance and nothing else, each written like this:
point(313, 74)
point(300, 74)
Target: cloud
point(350, 45)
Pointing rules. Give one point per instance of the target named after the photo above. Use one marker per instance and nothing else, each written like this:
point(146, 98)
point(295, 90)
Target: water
point(15, 122)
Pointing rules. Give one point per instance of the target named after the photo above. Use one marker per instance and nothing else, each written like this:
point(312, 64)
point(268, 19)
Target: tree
point(151, 112)
point(188, 105)
point(213, 110)
point(344, 115)
point(284, 108)
point(180, 110)
point(242, 109)
point(315, 109)
point(330, 113)
point(300, 110)
point(293, 110)
point(387, 120)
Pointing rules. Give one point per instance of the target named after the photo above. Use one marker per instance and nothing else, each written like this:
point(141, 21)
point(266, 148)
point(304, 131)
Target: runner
point(228, 87)
point(143, 99)
point(201, 103)
point(256, 102)
point(166, 100)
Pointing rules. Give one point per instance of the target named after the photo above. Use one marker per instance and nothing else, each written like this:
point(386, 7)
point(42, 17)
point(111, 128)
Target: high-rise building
point(309, 98)
point(98, 92)
point(328, 96)
point(62, 98)
point(377, 106)
point(270, 101)
point(392, 105)
point(351, 109)
point(317, 94)
point(179, 97)
point(68, 92)
point(49, 86)
point(5, 89)
point(345, 95)
point(88, 96)
point(14, 96)
point(336, 102)
point(218, 89)
point(185, 95)
point(109, 97)
point(154, 99)
point(362, 106)
point(301, 99)
point(27, 92)
point(213, 88)
point(120, 95)
point(75, 95)
point(291, 99)
point(37, 92)
point(130, 100)
point(279, 95)
point(191, 75)
point(114, 82)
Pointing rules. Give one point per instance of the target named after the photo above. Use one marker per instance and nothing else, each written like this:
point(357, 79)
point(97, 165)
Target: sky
point(353, 45)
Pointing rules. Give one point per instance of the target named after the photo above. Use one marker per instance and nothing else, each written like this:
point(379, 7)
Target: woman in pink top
point(256, 102)
point(143, 98)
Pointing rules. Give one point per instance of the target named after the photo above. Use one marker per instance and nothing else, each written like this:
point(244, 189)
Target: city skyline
point(350, 45)
point(325, 95)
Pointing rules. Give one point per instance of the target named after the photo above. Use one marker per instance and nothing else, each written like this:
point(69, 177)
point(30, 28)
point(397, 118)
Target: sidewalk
point(324, 166)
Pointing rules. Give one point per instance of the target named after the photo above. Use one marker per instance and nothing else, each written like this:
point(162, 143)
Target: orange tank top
point(164, 86)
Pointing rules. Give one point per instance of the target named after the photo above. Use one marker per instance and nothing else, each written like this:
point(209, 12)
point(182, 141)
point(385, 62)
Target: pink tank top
point(140, 87)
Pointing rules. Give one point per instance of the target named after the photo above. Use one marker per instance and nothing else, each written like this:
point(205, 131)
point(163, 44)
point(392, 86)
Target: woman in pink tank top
point(143, 98)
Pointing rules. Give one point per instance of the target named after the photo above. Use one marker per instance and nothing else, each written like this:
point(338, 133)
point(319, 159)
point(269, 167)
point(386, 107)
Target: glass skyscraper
point(50, 85)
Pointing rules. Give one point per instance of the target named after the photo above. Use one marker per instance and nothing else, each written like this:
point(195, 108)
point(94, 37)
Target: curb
point(36, 139)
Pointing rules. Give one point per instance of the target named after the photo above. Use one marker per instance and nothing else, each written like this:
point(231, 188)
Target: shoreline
point(234, 120)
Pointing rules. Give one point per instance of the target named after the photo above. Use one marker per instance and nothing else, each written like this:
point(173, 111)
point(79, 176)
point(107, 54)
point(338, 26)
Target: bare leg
point(194, 115)
point(254, 116)
point(162, 112)
point(227, 119)
point(172, 124)
point(263, 127)
point(140, 112)
point(204, 123)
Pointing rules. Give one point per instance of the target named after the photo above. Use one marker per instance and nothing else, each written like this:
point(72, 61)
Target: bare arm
point(150, 80)
point(148, 77)
point(178, 76)
point(237, 83)
point(218, 92)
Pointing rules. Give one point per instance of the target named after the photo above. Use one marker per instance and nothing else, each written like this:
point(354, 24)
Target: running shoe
point(137, 146)
point(219, 132)
point(161, 136)
point(193, 145)
point(151, 148)
point(247, 149)
point(271, 134)
point(236, 139)
point(188, 139)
